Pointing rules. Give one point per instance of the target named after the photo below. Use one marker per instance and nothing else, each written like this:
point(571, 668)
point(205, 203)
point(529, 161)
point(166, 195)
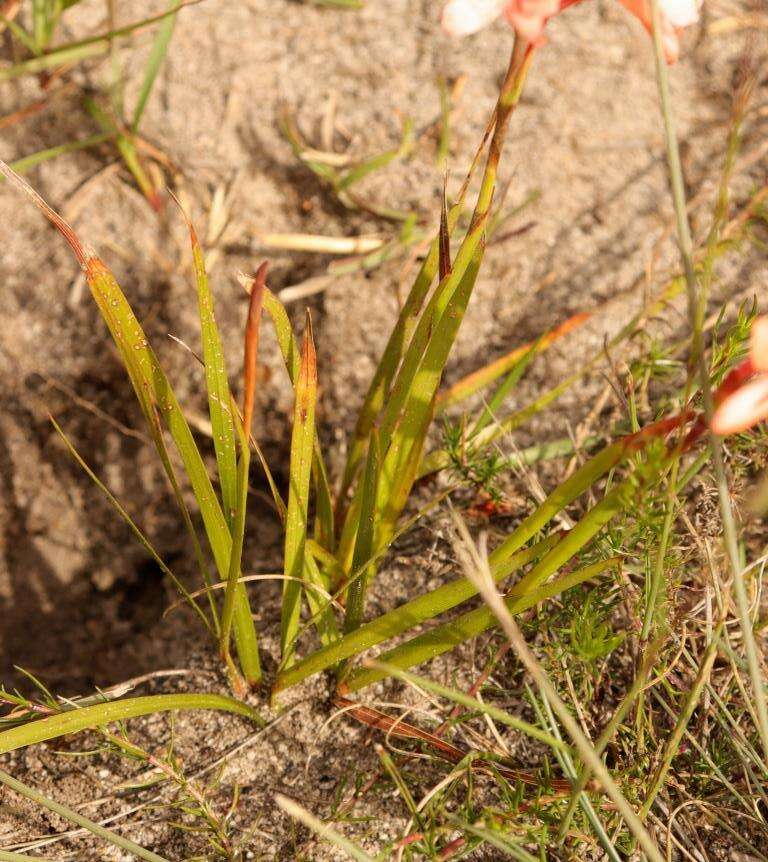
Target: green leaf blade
point(87, 717)
point(302, 448)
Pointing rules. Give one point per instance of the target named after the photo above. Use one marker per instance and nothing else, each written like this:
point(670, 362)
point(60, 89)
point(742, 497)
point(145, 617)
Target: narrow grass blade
point(76, 720)
point(320, 608)
point(71, 816)
point(376, 163)
point(449, 635)
point(325, 172)
point(155, 63)
point(7, 856)
point(302, 444)
point(59, 57)
point(506, 844)
point(26, 163)
point(395, 622)
point(39, 24)
point(477, 380)
point(217, 385)
point(364, 546)
point(325, 530)
point(584, 478)
point(19, 33)
point(586, 529)
point(127, 150)
point(134, 528)
point(492, 408)
point(157, 399)
point(235, 589)
point(321, 829)
point(399, 782)
point(471, 703)
point(286, 339)
point(288, 347)
point(83, 49)
point(234, 585)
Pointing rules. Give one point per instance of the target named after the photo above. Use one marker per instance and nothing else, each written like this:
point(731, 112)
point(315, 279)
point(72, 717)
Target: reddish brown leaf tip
point(56, 220)
point(95, 268)
point(156, 201)
point(308, 353)
point(445, 239)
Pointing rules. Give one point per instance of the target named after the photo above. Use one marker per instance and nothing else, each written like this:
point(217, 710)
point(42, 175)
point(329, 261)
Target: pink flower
point(528, 17)
point(744, 404)
point(675, 16)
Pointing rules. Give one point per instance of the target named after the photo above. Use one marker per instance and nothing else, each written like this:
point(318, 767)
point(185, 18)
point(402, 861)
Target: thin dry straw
point(322, 830)
point(476, 569)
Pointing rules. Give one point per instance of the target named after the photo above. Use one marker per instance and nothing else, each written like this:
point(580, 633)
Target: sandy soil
point(80, 602)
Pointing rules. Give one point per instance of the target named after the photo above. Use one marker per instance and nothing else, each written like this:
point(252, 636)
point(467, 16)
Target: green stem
point(235, 558)
point(581, 780)
point(73, 817)
point(691, 702)
point(75, 720)
point(730, 534)
point(7, 856)
point(657, 577)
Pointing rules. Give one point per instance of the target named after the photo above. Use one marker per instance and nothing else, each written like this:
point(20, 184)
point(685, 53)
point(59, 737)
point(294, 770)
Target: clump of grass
point(351, 533)
point(34, 34)
point(354, 528)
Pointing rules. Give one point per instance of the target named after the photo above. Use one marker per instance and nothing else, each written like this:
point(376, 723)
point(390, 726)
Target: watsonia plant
point(334, 542)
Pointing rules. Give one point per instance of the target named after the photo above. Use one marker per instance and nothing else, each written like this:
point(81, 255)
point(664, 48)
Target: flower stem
point(730, 534)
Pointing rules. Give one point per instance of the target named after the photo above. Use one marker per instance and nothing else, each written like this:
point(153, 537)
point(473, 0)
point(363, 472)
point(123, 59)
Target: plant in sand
point(331, 560)
point(336, 533)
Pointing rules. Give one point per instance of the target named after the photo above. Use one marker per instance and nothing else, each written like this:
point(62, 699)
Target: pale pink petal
point(745, 408)
point(758, 344)
point(528, 17)
point(535, 8)
point(680, 13)
point(529, 27)
point(641, 9)
point(463, 17)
